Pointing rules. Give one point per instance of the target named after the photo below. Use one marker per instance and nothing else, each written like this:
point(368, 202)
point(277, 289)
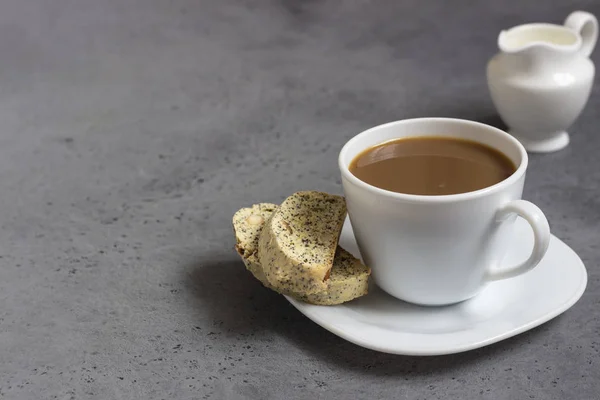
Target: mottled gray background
point(131, 130)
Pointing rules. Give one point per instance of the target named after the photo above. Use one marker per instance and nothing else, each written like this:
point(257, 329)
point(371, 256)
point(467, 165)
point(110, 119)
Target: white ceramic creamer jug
point(541, 79)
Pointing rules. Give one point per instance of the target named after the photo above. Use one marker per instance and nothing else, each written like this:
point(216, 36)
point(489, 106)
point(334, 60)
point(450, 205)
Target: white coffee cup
point(437, 250)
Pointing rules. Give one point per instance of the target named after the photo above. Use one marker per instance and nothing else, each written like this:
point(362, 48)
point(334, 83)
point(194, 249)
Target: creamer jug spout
point(549, 37)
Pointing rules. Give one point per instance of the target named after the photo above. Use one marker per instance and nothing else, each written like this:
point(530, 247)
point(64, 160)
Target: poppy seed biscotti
point(348, 279)
point(298, 243)
point(247, 225)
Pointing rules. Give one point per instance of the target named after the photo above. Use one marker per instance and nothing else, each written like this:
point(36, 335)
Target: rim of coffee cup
point(344, 163)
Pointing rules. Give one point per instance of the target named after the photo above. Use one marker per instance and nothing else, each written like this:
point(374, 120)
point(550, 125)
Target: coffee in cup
point(431, 166)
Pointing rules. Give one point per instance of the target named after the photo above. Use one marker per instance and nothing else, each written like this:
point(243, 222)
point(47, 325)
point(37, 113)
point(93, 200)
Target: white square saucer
point(503, 309)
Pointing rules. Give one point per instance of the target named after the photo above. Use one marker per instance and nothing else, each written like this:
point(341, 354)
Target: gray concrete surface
point(131, 130)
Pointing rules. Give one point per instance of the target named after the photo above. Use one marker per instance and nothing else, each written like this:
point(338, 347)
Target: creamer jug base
point(557, 142)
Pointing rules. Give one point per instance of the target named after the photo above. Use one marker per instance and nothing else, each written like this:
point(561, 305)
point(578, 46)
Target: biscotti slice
point(247, 225)
point(298, 243)
point(348, 279)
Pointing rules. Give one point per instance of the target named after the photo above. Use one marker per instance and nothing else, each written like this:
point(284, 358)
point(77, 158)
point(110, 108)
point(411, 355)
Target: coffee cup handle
point(541, 234)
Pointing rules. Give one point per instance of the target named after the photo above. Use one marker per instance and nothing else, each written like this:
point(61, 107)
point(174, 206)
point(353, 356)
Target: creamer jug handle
point(586, 25)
